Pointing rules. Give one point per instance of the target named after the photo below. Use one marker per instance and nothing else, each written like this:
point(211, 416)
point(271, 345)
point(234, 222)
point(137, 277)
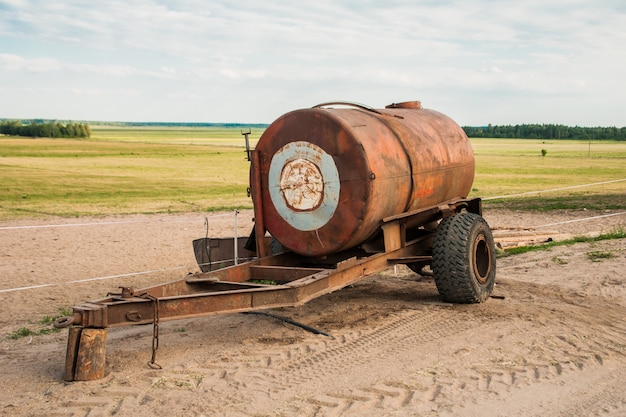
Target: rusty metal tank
point(331, 173)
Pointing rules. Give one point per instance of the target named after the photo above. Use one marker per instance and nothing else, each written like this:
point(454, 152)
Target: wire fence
point(129, 274)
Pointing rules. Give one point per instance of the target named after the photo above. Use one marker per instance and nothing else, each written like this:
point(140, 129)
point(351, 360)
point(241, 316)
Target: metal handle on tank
point(347, 103)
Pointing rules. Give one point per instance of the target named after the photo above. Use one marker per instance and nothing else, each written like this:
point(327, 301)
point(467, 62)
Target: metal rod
point(236, 249)
point(246, 134)
point(255, 192)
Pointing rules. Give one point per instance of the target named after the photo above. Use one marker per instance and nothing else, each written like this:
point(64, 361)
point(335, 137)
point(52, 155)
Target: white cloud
point(95, 92)
point(280, 55)
point(12, 62)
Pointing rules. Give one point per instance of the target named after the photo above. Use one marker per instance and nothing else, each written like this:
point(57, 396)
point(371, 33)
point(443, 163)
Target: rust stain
point(302, 185)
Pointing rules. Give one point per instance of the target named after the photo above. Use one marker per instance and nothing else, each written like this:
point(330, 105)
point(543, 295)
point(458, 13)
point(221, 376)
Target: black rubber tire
point(464, 259)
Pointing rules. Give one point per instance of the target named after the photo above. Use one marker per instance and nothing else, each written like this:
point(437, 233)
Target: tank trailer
point(340, 191)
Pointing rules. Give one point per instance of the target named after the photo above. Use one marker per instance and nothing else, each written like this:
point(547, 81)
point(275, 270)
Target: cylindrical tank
point(329, 175)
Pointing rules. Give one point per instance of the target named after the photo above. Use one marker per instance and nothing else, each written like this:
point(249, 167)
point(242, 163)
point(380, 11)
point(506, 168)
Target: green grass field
point(512, 166)
point(75, 178)
point(123, 170)
point(216, 136)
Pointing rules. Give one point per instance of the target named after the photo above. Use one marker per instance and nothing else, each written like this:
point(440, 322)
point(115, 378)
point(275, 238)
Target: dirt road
point(552, 343)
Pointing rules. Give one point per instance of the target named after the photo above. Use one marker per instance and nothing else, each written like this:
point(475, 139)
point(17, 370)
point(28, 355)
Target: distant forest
point(45, 130)
point(549, 131)
point(56, 129)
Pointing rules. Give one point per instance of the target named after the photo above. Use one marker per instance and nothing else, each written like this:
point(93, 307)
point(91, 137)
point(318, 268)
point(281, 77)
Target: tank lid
point(405, 105)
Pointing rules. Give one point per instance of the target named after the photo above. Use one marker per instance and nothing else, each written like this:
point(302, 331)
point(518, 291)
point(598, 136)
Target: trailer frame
point(294, 280)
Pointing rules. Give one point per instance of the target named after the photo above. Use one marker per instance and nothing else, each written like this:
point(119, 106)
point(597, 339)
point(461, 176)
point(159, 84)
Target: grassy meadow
point(505, 167)
point(215, 136)
point(123, 170)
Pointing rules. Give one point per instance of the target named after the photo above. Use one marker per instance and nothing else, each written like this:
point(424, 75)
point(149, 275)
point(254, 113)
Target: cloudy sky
point(479, 61)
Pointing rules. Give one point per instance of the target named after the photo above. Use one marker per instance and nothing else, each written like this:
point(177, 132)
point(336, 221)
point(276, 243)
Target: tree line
point(524, 131)
point(45, 130)
point(545, 131)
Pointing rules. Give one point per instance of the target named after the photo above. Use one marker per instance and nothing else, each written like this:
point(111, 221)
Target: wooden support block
point(86, 354)
point(392, 233)
point(73, 340)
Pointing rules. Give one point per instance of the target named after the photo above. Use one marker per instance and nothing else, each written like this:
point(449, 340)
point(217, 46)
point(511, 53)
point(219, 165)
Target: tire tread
point(451, 259)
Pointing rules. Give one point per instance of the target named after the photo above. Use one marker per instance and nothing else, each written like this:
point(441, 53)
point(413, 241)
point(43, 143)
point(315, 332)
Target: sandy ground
point(552, 343)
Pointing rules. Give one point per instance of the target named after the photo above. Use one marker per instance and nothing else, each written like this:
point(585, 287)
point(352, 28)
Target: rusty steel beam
point(206, 294)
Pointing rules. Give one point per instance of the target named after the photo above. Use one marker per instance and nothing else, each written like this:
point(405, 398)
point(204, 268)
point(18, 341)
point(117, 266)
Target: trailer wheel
point(464, 261)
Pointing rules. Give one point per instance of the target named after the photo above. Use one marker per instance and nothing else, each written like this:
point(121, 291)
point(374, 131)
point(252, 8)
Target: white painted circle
point(304, 185)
